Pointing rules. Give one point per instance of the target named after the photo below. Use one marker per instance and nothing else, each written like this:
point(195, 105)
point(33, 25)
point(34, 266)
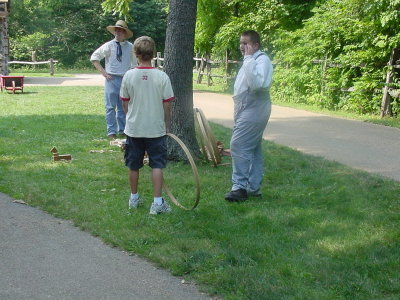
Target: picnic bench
point(12, 83)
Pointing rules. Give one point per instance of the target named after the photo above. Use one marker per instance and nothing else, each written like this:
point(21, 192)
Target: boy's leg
point(134, 199)
point(159, 205)
point(157, 151)
point(134, 153)
point(133, 180)
point(157, 179)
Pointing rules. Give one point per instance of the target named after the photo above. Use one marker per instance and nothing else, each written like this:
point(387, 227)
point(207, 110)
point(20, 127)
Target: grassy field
point(321, 230)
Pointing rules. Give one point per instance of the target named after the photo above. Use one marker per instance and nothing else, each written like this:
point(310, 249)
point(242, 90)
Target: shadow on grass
point(20, 93)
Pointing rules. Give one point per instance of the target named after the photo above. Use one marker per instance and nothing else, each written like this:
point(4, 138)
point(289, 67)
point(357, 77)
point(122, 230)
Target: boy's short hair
point(144, 47)
point(253, 35)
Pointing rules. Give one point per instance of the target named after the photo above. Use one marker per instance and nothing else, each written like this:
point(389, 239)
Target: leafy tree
point(221, 21)
point(69, 30)
point(142, 13)
point(353, 39)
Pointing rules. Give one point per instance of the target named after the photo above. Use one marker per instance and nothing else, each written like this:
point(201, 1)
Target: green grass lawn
point(321, 230)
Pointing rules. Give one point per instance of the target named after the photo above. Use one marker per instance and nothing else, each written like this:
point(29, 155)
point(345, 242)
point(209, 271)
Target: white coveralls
point(252, 109)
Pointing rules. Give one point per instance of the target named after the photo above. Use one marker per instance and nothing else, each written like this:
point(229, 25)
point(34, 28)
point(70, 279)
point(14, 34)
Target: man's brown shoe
point(112, 136)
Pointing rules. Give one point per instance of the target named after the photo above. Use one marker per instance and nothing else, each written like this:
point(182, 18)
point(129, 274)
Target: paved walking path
point(77, 80)
point(44, 257)
point(361, 145)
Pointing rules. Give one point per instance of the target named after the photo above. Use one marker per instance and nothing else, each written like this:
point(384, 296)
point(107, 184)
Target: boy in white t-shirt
point(146, 93)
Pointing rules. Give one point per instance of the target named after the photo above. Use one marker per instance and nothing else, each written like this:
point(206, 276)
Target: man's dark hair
point(253, 35)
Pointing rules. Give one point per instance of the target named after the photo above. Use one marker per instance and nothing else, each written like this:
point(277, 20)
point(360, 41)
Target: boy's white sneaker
point(134, 203)
point(159, 209)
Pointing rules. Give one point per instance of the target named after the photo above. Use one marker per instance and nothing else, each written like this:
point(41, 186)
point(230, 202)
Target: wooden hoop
point(207, 139)
point(195, 174)
point(199, 137)
point(210, 136)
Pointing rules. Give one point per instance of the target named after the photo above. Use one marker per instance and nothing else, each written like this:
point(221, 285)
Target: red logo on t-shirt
point(144, 77)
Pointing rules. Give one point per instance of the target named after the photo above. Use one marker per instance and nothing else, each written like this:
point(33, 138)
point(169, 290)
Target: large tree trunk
point(4, 38)
point(178, 65)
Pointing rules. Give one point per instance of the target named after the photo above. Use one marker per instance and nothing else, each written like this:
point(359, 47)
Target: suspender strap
point(262, 53)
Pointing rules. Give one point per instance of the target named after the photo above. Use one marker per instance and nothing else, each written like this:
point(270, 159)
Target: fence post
point(201, 70)
point(158, 60)
point(226, 66)
point(385, 106)
point(197, 62)
point(34, 58)
point(209, 79)
point(51, 66)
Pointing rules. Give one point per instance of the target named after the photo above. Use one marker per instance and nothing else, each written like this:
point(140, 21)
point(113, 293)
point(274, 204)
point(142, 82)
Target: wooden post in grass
point(201, 69)
point(208, 63)
point(159, 61)
point(197, 62)
point(226, 66)
point(51, 62)
point(34, 58)
point(386, 109)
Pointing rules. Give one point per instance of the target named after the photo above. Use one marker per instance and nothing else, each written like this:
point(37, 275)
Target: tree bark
point(4, 45)
point(178, 64)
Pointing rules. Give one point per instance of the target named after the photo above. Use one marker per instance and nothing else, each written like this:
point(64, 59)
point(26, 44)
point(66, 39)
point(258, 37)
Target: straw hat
point(120, 24)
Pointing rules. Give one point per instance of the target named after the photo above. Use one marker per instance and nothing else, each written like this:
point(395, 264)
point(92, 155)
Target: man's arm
point(99, 54)
point(100, 68)
point(258, 72)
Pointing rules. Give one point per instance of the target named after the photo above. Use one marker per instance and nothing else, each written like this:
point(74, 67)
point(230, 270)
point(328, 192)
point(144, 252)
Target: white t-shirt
point(146, 89)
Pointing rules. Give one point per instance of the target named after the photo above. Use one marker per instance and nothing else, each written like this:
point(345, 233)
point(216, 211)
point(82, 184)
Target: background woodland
point(328, 53)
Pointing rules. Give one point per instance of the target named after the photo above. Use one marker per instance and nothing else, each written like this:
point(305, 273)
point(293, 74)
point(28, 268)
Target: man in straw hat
point(119, 58)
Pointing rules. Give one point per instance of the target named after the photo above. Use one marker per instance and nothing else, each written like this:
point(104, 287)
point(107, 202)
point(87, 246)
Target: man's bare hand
point(107, 76)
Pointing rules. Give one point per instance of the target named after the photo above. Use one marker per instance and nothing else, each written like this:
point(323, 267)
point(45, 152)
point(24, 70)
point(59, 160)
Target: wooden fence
point(203, 66)
point(51, 62)
point(389, 88)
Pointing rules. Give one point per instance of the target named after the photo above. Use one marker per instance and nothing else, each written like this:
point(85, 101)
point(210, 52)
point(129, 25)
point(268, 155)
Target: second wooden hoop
point(195, 174)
